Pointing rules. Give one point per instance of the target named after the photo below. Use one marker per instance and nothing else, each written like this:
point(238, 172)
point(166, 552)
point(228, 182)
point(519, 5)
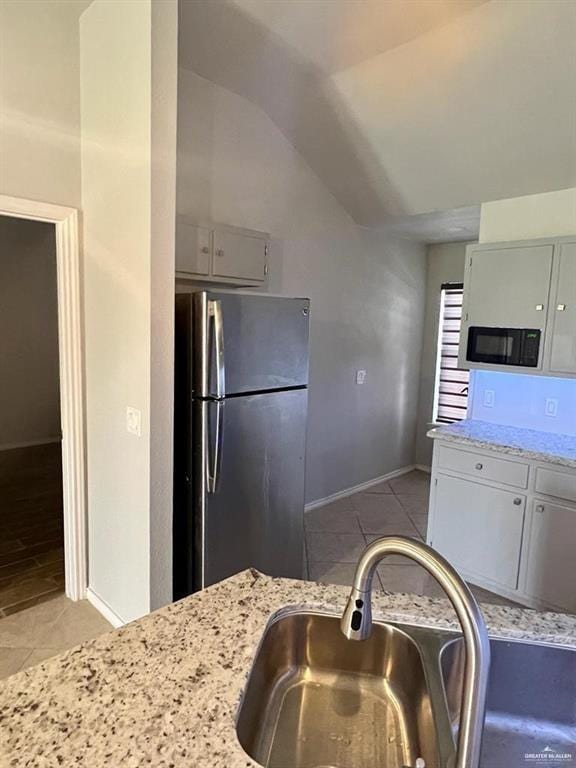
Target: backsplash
point(518, 400)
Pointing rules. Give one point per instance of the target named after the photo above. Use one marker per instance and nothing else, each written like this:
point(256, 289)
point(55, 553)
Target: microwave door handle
point(215, 312)
point(214, 454)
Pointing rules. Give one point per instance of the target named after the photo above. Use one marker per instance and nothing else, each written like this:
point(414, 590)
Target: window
point(451, 389)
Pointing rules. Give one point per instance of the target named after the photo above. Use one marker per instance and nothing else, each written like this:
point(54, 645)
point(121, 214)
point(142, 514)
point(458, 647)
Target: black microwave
point(504, 346)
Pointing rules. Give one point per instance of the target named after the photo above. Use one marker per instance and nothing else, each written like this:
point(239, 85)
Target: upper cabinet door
point(563, 312)
point(193, 249)
point(509, 287)
point(239, 256)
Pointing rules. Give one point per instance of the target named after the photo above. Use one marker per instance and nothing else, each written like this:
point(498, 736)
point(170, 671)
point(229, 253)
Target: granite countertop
point(516, 441)
point(163, 691)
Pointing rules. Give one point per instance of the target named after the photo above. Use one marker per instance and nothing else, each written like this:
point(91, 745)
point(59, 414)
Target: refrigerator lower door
point(249, 470)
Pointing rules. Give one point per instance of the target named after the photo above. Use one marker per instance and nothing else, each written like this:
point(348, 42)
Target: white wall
point(367, 290)
point(128, 199)
point(551, 214)
point(40, 100)
point(29, 383)
point(445, 264)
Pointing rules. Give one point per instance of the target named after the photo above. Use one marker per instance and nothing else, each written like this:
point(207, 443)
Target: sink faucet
point(356, 624)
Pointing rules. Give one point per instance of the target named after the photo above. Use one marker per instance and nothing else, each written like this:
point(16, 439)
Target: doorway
point(31, 489)
point(64, 459)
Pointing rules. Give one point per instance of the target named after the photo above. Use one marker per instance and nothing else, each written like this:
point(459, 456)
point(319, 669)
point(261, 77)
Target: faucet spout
point(356, 624)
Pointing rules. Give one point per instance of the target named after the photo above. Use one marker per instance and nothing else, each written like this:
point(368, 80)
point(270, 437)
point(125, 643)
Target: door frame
point(70, 342)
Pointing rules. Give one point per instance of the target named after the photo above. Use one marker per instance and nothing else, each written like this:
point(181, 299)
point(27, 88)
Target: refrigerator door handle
point(214, 454)
point(215, 312)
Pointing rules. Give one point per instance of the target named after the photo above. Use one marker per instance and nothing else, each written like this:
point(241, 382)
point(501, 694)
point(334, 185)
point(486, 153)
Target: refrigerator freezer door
point(253, 515)
point(265, 343)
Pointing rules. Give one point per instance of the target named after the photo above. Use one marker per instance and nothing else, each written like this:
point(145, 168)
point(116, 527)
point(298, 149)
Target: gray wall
point(367, 290)
point(29, 380)
point(445, 264)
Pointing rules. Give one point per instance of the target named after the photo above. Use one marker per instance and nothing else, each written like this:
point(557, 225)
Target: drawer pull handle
point(517, 501)
point(479, 466)
point(540, 508)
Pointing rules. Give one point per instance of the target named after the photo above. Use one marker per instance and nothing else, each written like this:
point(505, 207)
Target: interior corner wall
point(163, 213)
point(366, 289)
point(445, 264)
point(30, 379)
point(115, 67)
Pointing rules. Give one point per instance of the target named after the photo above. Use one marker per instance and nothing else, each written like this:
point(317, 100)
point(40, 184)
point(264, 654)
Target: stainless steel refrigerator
point(239, 436)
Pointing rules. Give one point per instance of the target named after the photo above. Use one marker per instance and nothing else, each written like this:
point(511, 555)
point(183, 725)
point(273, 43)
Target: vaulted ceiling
point(403, 108)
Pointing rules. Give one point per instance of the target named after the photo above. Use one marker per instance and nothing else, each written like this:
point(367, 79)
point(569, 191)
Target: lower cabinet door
point(479, 529)
point(551, 567)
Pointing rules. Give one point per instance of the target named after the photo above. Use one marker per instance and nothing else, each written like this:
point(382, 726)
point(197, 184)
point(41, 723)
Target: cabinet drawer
point(559, 484)
point(485, 467)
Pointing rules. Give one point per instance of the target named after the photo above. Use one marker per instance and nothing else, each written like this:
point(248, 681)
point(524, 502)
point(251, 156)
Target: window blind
point(451, 391)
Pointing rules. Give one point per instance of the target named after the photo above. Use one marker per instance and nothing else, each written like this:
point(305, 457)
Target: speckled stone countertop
point(516, 441)
point(164, 690)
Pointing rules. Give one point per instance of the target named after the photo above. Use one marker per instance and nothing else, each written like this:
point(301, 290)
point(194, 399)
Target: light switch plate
point(360, 376)
point(134, 421)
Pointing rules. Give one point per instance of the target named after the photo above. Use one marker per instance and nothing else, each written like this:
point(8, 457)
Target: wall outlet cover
point(134, 421)
point(551, 407)
point(360, 376)
point(489, 398)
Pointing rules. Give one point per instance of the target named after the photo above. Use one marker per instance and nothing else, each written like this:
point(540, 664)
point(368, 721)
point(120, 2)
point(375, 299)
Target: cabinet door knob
point(517, 501)
point(561, 307)
point(219, 252)
point(479, 466)
point(539, 307)
point(540, 508)
point(205, 249)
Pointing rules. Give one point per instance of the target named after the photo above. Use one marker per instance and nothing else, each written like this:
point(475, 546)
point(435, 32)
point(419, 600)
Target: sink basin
point(531, 702)
point(316, 700)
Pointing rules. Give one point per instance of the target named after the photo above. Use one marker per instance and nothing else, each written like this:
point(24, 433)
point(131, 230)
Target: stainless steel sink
point(531, 702)
point(317, 700)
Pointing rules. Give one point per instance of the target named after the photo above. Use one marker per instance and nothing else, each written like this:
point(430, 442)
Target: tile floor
point(33, 635)
point(337, 533)
point(32, 537)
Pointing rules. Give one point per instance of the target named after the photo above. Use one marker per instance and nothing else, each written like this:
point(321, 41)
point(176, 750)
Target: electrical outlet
point(134, 421)
point(360, 376)
point(489, 398)
point(551, 407)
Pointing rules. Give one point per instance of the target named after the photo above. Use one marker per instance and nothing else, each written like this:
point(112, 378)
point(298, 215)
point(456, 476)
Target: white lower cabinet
point(512, 532)
point(551, 576)
point(479, 528)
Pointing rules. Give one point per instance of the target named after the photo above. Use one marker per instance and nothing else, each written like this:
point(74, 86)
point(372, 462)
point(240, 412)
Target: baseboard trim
point(103, 608)
point(358, 488)
point(423, 468)
point(30, 443)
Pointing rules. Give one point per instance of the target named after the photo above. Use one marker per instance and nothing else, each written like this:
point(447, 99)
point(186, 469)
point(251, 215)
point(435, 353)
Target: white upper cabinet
point(221, 254)
point(239, 255)
point(563, 312)
point(508, 287)
point(193, 249)
point(525, 285)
